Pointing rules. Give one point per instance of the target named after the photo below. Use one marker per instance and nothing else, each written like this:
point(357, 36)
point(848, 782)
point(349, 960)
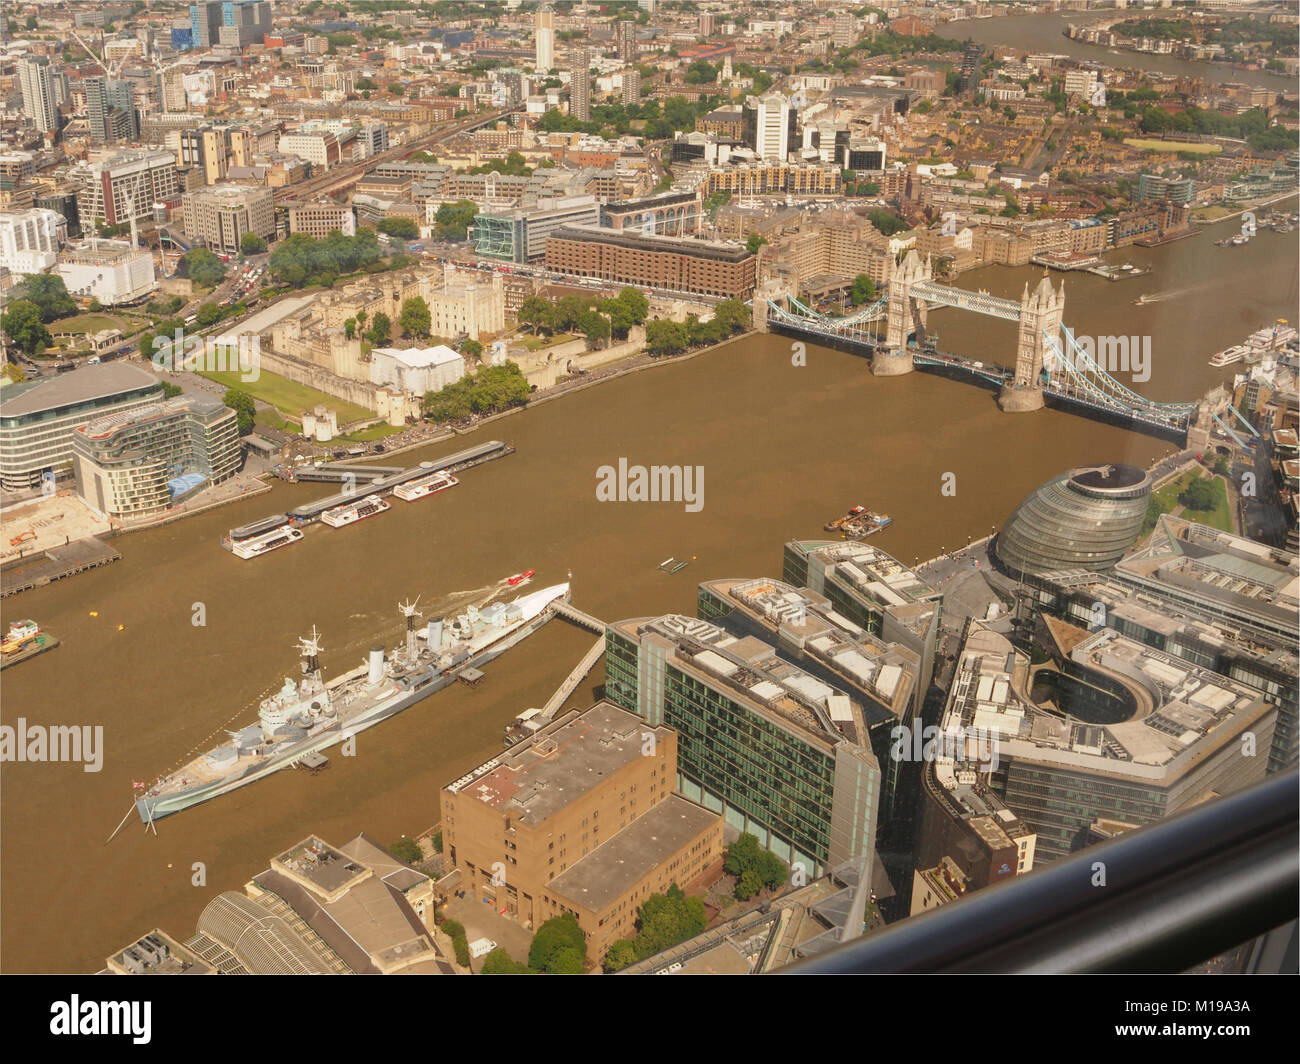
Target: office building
point(580, 818)
point(318, 220)
point(520, 235)
point(1132, 735)
point(805, 628)
point(137, 462)
point(580, 85)
point(1085, 519)
point(112, 113)
point(673, 264)
point(217, 218)
point(125, 186)
point(770, 126)
point(38, 418)
point(30, 240)
point(373, 139)
point(1220, 601)
point(322, 150)
point(781, 754)
point(544, 33)
point(40, 101)
point(670, 214)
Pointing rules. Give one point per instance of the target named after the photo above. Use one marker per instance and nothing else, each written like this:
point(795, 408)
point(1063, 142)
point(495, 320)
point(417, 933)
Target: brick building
point(698, 267)
point(580, 818)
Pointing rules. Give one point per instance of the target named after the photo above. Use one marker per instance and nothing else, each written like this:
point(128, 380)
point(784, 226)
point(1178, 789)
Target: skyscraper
point(580, 86)
point(631, 87)
point(37, 81)
point(545, 34)
point(234, 22)
point(627, 46)
point(771, 121)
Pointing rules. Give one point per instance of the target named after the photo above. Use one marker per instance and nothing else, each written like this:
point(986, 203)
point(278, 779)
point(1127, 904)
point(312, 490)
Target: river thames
point(783, 449)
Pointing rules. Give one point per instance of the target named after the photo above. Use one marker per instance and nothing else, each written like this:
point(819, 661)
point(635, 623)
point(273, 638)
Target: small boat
point(834, 526)
point(1142, 301)
point(1229, 355)
point(1223, 243)
point(519, 578)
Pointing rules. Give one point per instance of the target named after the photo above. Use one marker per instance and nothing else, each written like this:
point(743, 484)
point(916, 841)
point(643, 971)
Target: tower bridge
point(1050, 368)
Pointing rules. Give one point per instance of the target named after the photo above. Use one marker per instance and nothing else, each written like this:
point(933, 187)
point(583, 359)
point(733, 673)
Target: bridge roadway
point(1057, 394)
point(582, 619)
point(588, 662)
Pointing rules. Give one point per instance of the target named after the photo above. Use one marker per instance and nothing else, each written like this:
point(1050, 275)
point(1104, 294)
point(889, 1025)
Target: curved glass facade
point(1085, 519)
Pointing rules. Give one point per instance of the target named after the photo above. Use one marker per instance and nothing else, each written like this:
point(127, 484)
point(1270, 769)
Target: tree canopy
point(491, 389)
point(244, 407)
point(202, 267)
point(50, 295)
point(22, 322)
point(559, 947)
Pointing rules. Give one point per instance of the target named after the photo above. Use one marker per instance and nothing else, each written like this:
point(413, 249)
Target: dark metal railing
point(1163, 898)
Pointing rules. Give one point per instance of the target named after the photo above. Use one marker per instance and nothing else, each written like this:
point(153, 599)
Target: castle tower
point(1040, 316)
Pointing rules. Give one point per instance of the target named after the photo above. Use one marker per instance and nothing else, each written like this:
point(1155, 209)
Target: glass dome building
point(1085, 519)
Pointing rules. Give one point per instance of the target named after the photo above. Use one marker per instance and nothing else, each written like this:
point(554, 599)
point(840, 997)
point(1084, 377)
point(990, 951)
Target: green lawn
point(1165, 500)
point(1194, 147)
point(374, 432)
point(289, 398)
point(89, 324)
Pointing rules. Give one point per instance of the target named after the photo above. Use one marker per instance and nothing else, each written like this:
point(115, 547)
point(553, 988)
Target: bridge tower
point(905, 315)
point(1040, 317)
point(765, 291)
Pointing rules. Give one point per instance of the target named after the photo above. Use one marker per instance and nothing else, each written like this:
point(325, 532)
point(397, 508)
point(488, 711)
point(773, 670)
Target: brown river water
point(783, 449)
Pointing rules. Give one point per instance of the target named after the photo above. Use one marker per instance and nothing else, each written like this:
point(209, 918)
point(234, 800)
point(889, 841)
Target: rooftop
point(82, 385)
point(620, 862)
point(532, 781)
point(704, 249)
point(419, 358)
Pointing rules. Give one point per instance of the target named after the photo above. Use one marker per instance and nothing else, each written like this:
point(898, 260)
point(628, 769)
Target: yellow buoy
point(121, 628)
point(94, 613)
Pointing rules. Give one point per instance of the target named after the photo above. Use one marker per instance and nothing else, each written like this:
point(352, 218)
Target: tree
point(595, 327)
point(731, 315)
point(620, 954)
point(146, 345)
point(50, 295)
point(636, 303)
point(402, 228)
point(244, 407)
point(415, 319)
point(406, 849)
point(663, 337)
point(472, 348)
point(203, 267)
point(170, 390)
point(454, 219)
point(1221, 466)
point(864, 289)
point(380, 329)
point(350, 328)
point(754, 243)
point(207, 314)
point(535, 313)
point(753, 867)
point(22, 322)
point(499, 962)
point(567, 312)
point(1199, 495)
point(886, 221)
point(559, 944)
point(251, 244)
